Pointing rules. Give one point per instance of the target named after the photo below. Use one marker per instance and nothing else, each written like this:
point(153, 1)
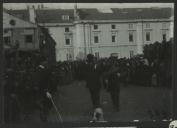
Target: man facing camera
point(92, 80)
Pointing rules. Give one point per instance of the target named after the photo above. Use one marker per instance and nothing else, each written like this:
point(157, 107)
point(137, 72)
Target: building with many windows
point(102, 32)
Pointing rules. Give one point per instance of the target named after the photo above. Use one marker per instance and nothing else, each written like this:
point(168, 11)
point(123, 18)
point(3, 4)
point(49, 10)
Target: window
point(115, 55)
point(68, 41)
point(28, 38)
point(67, 29)
point(95, 27)
point(131, 54)
point(96, 39)
point(7, 40)
point(5, 30)
point(12, 22)
point(97, 54)
point(164, 37)
point(148, 37)
point(130, 26)
point(164, 25)
point(113, 38)
point(68, 56)
point(65, 17)
point(130, 36)
point(147, 25)
point(113, 26)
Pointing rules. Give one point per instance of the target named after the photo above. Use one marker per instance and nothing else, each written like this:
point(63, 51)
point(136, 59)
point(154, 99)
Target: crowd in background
point(133, 70)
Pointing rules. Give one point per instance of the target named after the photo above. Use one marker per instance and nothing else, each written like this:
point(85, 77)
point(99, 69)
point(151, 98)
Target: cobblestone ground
point(136, 103)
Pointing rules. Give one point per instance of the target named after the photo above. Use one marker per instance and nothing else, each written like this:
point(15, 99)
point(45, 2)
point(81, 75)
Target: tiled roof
point(55, 15)
point(22, 14)
point(127, 14)
point(18, 22)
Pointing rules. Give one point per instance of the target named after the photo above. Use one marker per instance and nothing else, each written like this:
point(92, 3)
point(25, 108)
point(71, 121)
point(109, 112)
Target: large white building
point(120, 32)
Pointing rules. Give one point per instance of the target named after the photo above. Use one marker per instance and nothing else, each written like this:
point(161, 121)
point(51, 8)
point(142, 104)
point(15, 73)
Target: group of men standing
point(96, 78)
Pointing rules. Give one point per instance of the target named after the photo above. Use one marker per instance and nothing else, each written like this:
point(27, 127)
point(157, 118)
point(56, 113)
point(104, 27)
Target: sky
point(87, 5)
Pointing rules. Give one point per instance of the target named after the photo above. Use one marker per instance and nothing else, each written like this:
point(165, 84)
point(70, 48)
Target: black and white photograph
point(87, 62)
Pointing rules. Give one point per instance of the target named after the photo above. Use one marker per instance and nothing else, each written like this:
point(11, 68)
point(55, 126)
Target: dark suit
point(114, 86)
point(44, 85)
point(93, 83)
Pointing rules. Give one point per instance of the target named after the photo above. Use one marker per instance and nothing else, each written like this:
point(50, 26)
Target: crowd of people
point(136, 70)
point(29, 77)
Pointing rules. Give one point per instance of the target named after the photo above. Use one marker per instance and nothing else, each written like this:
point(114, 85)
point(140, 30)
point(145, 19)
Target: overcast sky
point(88, 5)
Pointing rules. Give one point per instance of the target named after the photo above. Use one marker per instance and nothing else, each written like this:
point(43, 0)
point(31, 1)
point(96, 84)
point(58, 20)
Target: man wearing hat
point(94, 85)
point(43, 84)
point(92, 80)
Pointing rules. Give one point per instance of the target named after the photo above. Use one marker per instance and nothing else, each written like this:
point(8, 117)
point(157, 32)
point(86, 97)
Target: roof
point(19, 23)
point(22, 14)
point(55, 15)
point(127, 14)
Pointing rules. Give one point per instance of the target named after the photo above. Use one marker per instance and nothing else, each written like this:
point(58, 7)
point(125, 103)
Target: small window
point(113, 26)
point(148, 37)
point(68, 41)
point(69, 56)
point(131, 54)
point(65, 17)
point(96, 39)
point(130, 26)
point(12, 22)
point(113, 38)
point(28, 38)
point(67, 29)
point(95, 27)
point(115, 55)
point(97, 54)
point(164, 37)
point(147, 25)
point(164, 25)
point(130, 37)
point(7, 40)
point(5, 30)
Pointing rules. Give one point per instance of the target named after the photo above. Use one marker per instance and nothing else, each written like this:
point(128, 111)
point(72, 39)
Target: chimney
point(32, 14)
point(76, 13)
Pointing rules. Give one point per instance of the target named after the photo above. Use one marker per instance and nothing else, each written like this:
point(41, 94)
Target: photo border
point(143, 124)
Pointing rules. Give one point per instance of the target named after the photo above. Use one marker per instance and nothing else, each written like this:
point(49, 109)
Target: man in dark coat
point(114, 83)
point(43, 84)
point(93, 80)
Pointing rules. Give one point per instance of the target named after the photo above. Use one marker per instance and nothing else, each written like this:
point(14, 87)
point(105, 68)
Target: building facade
point(26, 36)
point(104, 33)
point(19, 32)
